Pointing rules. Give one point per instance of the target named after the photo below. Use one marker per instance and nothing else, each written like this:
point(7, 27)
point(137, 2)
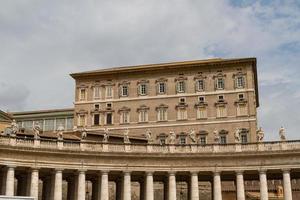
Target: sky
point(42, 42)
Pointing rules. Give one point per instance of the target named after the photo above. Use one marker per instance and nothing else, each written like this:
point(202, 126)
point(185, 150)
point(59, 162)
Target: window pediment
point(124, 109)
point(142, 81)
point(239, 74)
point(160, 80)
point(124, 83)
point(143, 107)
point(201, 104)
point(82, 86)
point(219, 75)
point(162, 106)
point(180, 78)
point(82, 112)
point(200, 77)
point(202, 133)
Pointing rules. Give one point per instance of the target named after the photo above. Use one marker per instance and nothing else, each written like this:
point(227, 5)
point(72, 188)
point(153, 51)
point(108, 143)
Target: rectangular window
point(202, 140)
point(241, 97)
point(96, 119)
point(162, 115)
point(82, 94)
point(182, 114)
point(143, 89)
point(108, 106)
point(49, 125)
point(60, 123)
point(81, 121)
point(108, 118)
point(242, 110)
point(244, 138)
point(202, 113)
point(200, 85)
point(180, 86)
point(108, 92)
point(201, 99)
point(70, 123)
point(240, 82)
point(182, 139)
point(220, 84)
point(221, 111)
point(223, 139)
point(96, 92)
point(162, 88)
point(124, 117)
point(182, 100)
point(220, 98)
point(143, 116)
point(124, 91)
point(97, 106)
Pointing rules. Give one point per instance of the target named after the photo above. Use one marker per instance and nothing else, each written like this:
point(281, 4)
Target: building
point(5, 120)
point(215, 95)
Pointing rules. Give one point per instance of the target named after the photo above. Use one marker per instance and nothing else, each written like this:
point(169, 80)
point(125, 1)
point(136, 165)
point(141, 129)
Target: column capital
point(35, 168)
point(104, 172)
point(286, 170)
point(194, 172)
point(239, 172)
point(149, 173)
point(11, 166)
point(170, 173)
point(58, 170)
point(262, 171)
point(217, 173)
point(81, 171)
point(126, 172)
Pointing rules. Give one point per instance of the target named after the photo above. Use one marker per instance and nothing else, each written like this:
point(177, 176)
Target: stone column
point(58, 184)
point(104, 185)
point(263, 185)
point(287, 188)
point(194, 186)
point(172, 186)
point(81, 185)
point(126, 186)
point(10, 181)
point(217, 186)
point(149, 186)
point(240, 188)
point(34, 184)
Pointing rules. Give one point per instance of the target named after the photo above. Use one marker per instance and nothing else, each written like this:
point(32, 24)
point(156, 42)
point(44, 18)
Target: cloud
point(42, 42)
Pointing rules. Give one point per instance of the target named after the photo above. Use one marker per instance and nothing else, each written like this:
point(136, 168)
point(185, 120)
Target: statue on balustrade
point(126, 136)
point(105, 135)
point(149, 136)
point(83, 134)
point(237, 136)
point(172, 137)
point(60, 132)
point(260, 134)
point(14, 127)
point(216, 136)
point(192, 135)
point(36, 130)
point(282, 134)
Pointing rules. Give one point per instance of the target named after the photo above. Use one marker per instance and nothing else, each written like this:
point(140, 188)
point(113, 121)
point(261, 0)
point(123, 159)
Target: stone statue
point(149, 136)
point(105, 135)
point(237, 136)
point(126, 136)
point(260, 134)
point(83, 134)
point(282, 134)
point(36, 130)
point(216, 137)
point(192, 135)
point(14, 127)
point(172, 137)
point(60, 132)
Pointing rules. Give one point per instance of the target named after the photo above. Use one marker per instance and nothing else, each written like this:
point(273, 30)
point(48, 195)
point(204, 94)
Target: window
point(108, 106)
point(202, 139)
point(96, 119)
point(69, 123)
point(182, 100)
point(244, 138)
point(241, 96)
point(124, 90)
point(108, 91)
point(162, 140)
point(182, 139)
point(161, 88)
point(181, 114)
point(109, 118)
point(143, 116)
point(49, 125)
point(200, 85)
point(220, 98)
point(201, 99)
point(97, 106)
point(60, 123)
point(242, 109)
point(143, 89)
point(201, 113)
point(96, 92)
point(82, 94)
point(221, 111)
point(81, 121)
point(124, 117)
point(220, 84)
point(180, 86)
point(162, 114)
point(223, 139)
point(240, 82)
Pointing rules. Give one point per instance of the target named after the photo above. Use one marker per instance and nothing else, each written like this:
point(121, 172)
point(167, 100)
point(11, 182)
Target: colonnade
point(52, 188)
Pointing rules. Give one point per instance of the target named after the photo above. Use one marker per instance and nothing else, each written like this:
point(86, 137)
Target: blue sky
point(44, 41)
